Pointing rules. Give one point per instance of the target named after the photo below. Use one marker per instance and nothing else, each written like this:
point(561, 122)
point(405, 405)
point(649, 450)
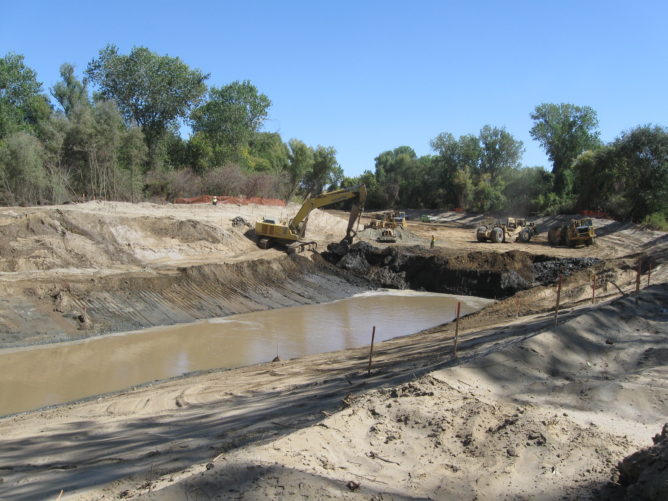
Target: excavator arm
point(298, 223)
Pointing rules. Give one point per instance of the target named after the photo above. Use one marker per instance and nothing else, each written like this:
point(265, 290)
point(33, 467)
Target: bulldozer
point(513, 230)
point(291, 233)
point(387, 235)
point(576, 232)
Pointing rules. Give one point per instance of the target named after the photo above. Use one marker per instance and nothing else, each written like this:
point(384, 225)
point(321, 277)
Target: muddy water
point(51, 374)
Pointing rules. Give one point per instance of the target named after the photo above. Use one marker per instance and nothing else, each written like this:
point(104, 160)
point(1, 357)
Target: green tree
point(153, 91)
point(70, 92)
point(22, 175)
point(599, 182)
point(393, 170)
point(268, 152)
point(22, 103)
point(500, 151)
point(300, 161)
point(642, 156)
point(323, 170)
point(230, 118)
point(472, 170)
point(524, 188)
point(564, 131)
point(462, 183)
point(102, 154)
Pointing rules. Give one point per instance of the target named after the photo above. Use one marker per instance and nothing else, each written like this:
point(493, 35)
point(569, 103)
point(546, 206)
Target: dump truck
point(512, 230)
point(576, 232)
point(291, 233)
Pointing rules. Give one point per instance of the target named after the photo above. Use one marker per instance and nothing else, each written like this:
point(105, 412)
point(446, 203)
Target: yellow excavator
point(291, 233)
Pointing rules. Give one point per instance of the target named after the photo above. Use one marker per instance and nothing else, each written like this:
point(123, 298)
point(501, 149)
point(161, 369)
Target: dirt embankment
point(82, 307)
point(75, 271)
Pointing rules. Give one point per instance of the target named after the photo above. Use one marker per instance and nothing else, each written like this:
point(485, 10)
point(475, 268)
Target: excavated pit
point(47, 309)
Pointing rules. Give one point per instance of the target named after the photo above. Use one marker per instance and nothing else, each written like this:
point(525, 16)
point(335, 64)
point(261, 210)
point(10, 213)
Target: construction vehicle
point(426, 218)
point(291, 232)
point(513, 230)
point(387, 235)
point(576, 232)
point(388, 219)
point(400, 218)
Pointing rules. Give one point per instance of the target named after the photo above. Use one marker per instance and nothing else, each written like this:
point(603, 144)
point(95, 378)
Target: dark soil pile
point(485, 274)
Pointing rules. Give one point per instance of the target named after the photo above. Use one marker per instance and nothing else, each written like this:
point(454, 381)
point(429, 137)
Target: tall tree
point(22, 103)
point(70, 92)
point(23, 178)
point(268, 152)
point(322, 170)
point(642, 154)
point(500, 151)
point(564, 131)
point(230, 118)
point(153, 91)
point(393, 171)
point(473, 169)
point(300, 162)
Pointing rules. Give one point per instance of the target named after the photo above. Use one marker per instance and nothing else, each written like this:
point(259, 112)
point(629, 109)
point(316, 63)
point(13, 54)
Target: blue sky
point(369, 76)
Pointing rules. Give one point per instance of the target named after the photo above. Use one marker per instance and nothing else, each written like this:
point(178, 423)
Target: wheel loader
point(576, 232)
point(513, 230)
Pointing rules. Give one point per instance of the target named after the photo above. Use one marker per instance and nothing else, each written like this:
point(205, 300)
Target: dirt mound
point(46, 239)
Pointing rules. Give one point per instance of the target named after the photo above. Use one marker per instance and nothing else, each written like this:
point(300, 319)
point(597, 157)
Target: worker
point(214, 201)
point(433, 240)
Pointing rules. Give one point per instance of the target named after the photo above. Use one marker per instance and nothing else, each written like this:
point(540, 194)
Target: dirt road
point(526, 411)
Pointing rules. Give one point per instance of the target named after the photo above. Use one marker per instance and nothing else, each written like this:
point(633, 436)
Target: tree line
point(114, 133)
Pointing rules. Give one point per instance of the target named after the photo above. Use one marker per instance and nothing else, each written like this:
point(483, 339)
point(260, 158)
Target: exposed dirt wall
point(59, 311)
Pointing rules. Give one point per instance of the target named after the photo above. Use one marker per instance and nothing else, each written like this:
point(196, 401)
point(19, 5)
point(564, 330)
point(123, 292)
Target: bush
point(172, 184)
point(22, 172)
point(656, 221)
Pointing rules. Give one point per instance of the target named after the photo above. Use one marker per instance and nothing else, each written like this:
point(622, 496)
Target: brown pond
point(34, 377)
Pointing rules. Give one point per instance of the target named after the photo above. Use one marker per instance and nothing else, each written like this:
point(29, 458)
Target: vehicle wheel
point(589, 241)
point(264, 243)
point(497, 235)
point(480, 234)
point(525, 235)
